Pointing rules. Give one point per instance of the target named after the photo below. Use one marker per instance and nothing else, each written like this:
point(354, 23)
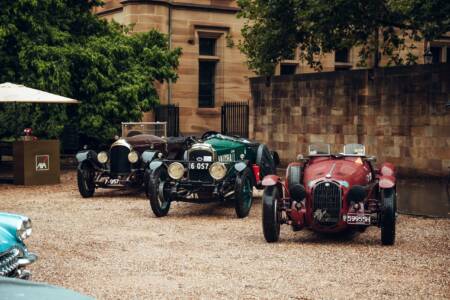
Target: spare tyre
point(265, 161)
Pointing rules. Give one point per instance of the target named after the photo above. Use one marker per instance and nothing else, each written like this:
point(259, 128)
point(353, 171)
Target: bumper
point(14, 266)
point(29, 258)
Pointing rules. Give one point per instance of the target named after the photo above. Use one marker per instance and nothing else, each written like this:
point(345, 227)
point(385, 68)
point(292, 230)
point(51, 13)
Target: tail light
point(256, 173)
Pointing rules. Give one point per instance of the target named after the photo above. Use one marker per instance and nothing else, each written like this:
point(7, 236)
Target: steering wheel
point(208, 134)
point(189, 141)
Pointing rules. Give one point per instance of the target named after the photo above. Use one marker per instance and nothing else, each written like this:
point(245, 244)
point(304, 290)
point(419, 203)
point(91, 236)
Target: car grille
point(9, 261)
point(199, 175)
point(119, 160)
point(327, 199)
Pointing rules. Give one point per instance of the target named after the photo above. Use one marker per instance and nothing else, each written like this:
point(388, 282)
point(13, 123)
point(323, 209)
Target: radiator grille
point(201, 175)
point(327, 200)
point(119, 160)
point(9, 261)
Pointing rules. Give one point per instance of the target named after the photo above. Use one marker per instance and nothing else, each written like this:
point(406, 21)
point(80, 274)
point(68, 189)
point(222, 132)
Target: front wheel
point(388, 217)
point(271, 214)
point(243, 192)
point(159, 200)
point(86, 180)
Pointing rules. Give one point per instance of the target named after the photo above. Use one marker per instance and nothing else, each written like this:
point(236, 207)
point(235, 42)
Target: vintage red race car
point(331, 193)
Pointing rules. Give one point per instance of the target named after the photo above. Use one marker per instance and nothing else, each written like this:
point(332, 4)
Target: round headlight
point(218, 170)
point(23, 230)
point(175, 170)
point(102, 157)
point(133, 157)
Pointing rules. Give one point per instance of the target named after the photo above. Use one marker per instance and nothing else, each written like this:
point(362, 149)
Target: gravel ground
point(112, 247)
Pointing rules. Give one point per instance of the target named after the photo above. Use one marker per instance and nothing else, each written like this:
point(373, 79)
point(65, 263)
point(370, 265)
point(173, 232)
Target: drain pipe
point(169, 26)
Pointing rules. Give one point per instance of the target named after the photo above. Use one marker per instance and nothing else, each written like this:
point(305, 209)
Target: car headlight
point(133, 157)
point(102, 157)
point(175, 170)
point(218, 170)
point(24, 229)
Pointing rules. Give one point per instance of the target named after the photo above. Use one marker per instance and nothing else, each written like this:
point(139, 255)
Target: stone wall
point(399, 113)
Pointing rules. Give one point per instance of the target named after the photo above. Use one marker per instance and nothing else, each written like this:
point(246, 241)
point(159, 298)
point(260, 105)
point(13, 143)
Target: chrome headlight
point(133, 157)
point(24, 229)
point(175, 170)
point(218, 170)
point(102, 157)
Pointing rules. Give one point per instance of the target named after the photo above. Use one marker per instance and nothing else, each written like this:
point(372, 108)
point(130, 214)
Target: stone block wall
point(399, 113)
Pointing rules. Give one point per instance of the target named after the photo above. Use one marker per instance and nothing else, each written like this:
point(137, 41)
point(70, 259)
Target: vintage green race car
point(219, 168)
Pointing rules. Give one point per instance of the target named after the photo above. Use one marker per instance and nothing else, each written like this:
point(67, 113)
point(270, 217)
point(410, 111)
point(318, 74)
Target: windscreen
point(319, 149)
point(134, 128)
point(354, 149)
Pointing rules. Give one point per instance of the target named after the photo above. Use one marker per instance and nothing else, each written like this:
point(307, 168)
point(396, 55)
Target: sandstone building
point(212, 69)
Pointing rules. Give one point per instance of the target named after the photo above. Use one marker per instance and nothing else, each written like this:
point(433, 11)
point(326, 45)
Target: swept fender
point(149, 155)
point(240, 166)
point(270, 180)
point(155, 165)
point(386, 181)
point(387, 169)
point(86, 155)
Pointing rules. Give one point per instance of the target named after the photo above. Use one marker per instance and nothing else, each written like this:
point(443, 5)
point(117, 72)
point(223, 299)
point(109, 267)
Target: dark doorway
point(171, 114)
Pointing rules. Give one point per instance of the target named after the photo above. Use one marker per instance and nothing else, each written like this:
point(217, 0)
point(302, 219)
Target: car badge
point(327, 184)
point(199, 159)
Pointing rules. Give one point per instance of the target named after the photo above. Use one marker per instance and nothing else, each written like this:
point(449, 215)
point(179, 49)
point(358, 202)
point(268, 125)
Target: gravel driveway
point(112, 247)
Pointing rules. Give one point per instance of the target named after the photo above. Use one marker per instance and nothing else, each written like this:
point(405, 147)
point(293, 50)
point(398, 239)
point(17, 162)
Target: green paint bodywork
point(225, 145)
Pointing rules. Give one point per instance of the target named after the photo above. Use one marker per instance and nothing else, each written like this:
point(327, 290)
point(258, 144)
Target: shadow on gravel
point(347, 237)
point(120, 193)
point(207, 210)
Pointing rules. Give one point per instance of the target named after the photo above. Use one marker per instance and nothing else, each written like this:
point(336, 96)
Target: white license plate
point(113, 181)
point(355, 219)
point(198, 166)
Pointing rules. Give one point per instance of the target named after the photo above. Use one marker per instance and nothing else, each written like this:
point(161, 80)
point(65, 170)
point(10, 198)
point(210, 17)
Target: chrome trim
point(28, 259)
point(121, 142)
point(204, 147)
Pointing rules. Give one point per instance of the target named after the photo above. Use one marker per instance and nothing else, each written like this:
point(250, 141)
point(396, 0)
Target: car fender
point(149, 155)
point(86, 155)
point(270, 180)
point(273, 180)
point(240, 166)
point(387, 169)
point(386, 182)
point(155, 165)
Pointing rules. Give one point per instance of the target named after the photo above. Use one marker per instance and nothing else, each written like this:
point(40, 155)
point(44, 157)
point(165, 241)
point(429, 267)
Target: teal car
point(216, 168)
point(14, 254)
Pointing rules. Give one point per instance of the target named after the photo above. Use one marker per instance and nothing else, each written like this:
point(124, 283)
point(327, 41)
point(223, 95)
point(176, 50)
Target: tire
point(265, 161)
point(85, 180)
point(270, 214)
point(159, 202)
point(388, 216)
point(243, 191)
point(294, 175)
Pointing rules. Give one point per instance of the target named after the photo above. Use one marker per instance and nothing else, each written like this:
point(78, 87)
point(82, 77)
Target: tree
point(274, 28)
point(61, 47)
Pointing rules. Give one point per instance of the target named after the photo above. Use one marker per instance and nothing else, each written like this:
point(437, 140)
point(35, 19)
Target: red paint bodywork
point(346, 171)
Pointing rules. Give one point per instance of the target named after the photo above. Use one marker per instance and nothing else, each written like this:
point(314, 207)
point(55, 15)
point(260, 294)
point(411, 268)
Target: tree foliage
point(61, 47)
point(274, 28)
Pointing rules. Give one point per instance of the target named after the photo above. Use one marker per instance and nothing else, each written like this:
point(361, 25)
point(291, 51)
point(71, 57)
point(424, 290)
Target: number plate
point(113, 181)
point(198, 166)
point(355, 219)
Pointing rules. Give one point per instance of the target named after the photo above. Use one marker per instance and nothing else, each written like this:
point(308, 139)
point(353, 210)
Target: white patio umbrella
point(16, 93)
